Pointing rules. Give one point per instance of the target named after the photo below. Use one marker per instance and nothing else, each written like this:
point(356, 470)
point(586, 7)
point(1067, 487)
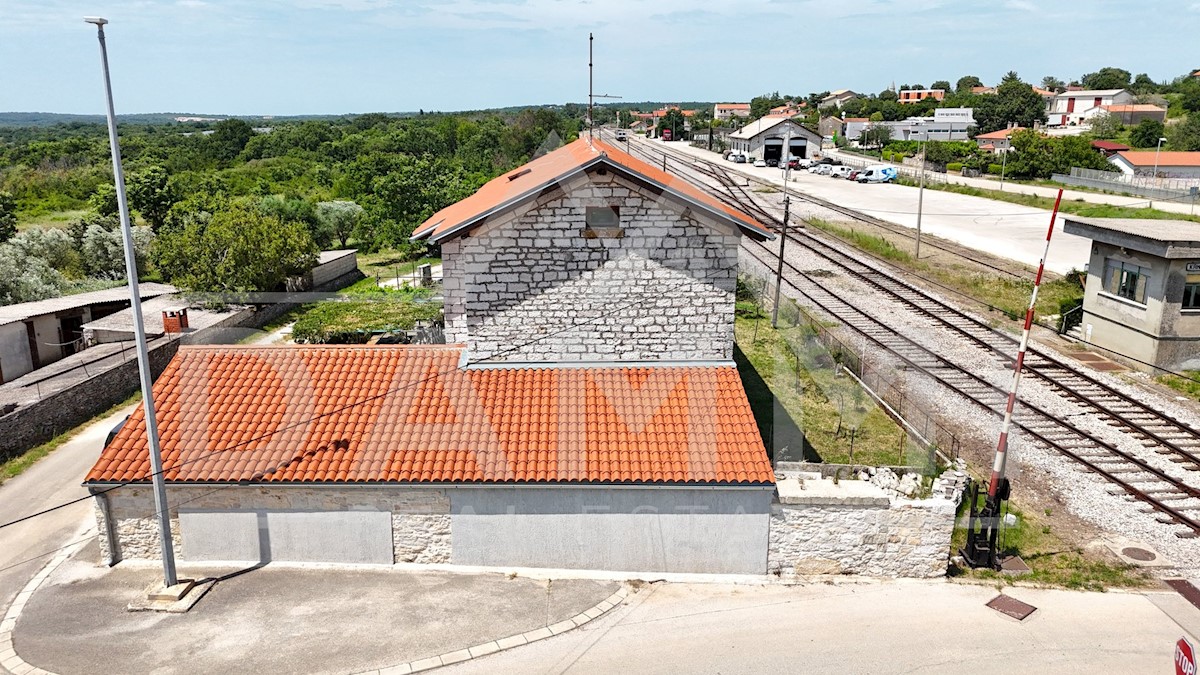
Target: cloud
point(1021, 5)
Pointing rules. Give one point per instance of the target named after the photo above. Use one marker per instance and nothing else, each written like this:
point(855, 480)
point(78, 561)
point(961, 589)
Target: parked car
point(772, 162)
point(840, 171)
point(800, 163)
point(822, 169)
point(739, 159)
point(760, 163)
point(854, 174)
point(879, 173)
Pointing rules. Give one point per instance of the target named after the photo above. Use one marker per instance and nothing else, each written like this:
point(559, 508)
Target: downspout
point(110, 531)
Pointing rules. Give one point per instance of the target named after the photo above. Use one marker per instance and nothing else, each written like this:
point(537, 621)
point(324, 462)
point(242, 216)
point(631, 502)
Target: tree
point(965, 83)
point(673, 120)
point(240, 249)
point(761, 105)
point(1142, 85)
point(1185, 135)
point(51, 244)
point(1146, 133)
point(295, 210)
point(25, 279)
point(1190, 95)
point(339, 218)
point(888, 95)
point(1106, 78)
point(228, 139)
point(151, 194)
point(940, 84)
point(1052, 83)
point(104, 200)
point(1014, 103)
point(103, 251)
point(1038, 156)
point(624, 119)
point(1105, 125)
point(876, 136)
point(8, 216)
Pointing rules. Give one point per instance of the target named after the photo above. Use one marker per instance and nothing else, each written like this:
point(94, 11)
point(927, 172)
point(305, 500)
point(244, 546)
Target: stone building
point(1142, 297)
point(764, 139)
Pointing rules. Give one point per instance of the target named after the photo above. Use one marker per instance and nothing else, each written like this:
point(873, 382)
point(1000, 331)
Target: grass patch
point(368, 310)
point(1188, 386)
point(867, 242)
point(13, 467)
point(1078, 208)
point(1052, 560)
point(802, 408)
point(51, 219)
point(392, 264)
point(1006, 294)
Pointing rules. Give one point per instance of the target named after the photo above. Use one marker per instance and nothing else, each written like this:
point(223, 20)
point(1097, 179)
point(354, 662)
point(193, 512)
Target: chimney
point(175, 320)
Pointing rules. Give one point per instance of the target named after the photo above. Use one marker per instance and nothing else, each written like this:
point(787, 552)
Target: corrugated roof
point(1167, 231)
point(1084, 93)
point(411, 414)
point(28, 310)
point(1111, 146)
point(1167, 158)
point(767, 123)
point(528, 180)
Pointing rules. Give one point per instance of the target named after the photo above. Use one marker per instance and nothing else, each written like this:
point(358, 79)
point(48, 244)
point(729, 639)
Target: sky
point(293, 57)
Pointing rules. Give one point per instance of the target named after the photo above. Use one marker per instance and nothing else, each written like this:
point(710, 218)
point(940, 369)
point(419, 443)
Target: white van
point(840, 171)
point(879, 173)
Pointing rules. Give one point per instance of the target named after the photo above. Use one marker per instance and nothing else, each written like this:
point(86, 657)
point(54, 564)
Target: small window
point(1191, 292)
point(1126, 280)
point(602, 222)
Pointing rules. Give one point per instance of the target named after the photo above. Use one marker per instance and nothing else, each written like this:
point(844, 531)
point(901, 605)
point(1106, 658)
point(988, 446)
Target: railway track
point(1134, 475)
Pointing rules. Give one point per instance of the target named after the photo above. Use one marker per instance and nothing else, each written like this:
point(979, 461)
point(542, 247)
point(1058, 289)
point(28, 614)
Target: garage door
point(287, 536)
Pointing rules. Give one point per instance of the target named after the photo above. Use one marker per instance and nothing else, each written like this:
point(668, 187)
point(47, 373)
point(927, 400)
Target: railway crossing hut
point(1142, 297)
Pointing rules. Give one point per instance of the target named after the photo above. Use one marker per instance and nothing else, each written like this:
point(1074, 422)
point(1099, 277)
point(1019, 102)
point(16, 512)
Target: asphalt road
point(876, 627)
point(53, 480)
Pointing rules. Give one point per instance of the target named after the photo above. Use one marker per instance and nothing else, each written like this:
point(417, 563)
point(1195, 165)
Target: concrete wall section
point(627, 529)
point(15, 359)
point(659, 286)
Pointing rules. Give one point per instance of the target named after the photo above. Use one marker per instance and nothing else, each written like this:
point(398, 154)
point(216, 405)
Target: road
point(873, 627)
point(53, 480)
point(1009, 230)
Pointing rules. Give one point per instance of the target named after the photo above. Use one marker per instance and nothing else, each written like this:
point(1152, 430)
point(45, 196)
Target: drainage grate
point(1012, 607)
point(1140, 554)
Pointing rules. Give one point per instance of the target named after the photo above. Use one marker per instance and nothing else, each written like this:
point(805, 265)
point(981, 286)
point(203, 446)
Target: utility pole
point(139, 330)
point(787, 150)
point(921, 197)
point(1003, 166)
point(591, 118)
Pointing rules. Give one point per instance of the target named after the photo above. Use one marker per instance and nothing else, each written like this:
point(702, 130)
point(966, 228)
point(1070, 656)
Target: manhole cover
point(1135, 553)
point(1012, 607)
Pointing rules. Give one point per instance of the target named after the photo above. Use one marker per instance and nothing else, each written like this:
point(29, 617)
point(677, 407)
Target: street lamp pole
point(139, 330)
point(1003, 166)
point(1157, 149)
point(921, 197)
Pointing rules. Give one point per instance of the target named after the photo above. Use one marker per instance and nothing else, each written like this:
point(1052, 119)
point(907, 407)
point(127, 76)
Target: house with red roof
point(997, 141)
point(588, 413)
point(1165, 164)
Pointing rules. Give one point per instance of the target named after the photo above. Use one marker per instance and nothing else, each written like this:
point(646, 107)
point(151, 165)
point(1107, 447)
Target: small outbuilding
point(1142, 297)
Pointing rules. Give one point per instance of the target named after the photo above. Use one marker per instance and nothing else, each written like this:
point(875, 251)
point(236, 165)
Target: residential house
point(914, 95)
point(1168, 164)
point(789, 109)
point(831, 127)
point(589, 415)
point(997, 141)
point(1077, 107)
point(1132, 113)
point(764, 138)
point(724, 111)
point(839, 98)
point(982, 90)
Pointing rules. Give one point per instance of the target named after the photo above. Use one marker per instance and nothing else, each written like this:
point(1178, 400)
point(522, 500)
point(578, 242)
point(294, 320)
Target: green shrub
point(954, 167)
point(1068, 317)
point(886, 155)
point(898, 157)
point(994, 169)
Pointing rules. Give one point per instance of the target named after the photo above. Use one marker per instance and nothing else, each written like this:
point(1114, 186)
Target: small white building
point(764, 139)
point(1076, 107)
point(1169, 164)
point(947, 124)
point(724, 111)
point(839, 98)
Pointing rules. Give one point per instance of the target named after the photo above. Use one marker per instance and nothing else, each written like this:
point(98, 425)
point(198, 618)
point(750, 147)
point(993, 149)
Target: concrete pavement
point(857, 627)
point(1008, 230)
point(284, 619)
point(53, 480)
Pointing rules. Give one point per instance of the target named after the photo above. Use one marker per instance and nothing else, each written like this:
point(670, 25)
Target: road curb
point(10, 661)
point(503, 644)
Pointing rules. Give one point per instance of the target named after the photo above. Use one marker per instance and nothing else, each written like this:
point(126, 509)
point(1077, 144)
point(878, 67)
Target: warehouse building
point(764, 139)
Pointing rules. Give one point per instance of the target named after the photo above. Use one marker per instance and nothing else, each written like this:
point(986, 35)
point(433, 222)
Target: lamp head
point(98, 20)
point(1162, 140)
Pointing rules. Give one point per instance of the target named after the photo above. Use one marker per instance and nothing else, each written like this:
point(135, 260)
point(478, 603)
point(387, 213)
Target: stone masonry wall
point(664, 289)
point(420, 517)
point(902, 539)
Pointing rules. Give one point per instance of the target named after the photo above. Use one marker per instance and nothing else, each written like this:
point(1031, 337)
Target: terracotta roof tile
point(410, 414)
point(531, 178)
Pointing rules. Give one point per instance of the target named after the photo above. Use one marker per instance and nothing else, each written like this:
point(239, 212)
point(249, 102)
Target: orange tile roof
point(526, 181)
point(733, 106)
point(410, 414)
point(999, 133)
point(1133, 107)
point(1165, 158)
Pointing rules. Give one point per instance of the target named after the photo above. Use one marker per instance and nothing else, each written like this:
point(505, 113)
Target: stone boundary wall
point(35, 423)
point(420, 517)
point(873, 536)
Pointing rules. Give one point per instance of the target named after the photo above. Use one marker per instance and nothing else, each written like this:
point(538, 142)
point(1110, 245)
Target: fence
point(1165, 188)
point(931, 176)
